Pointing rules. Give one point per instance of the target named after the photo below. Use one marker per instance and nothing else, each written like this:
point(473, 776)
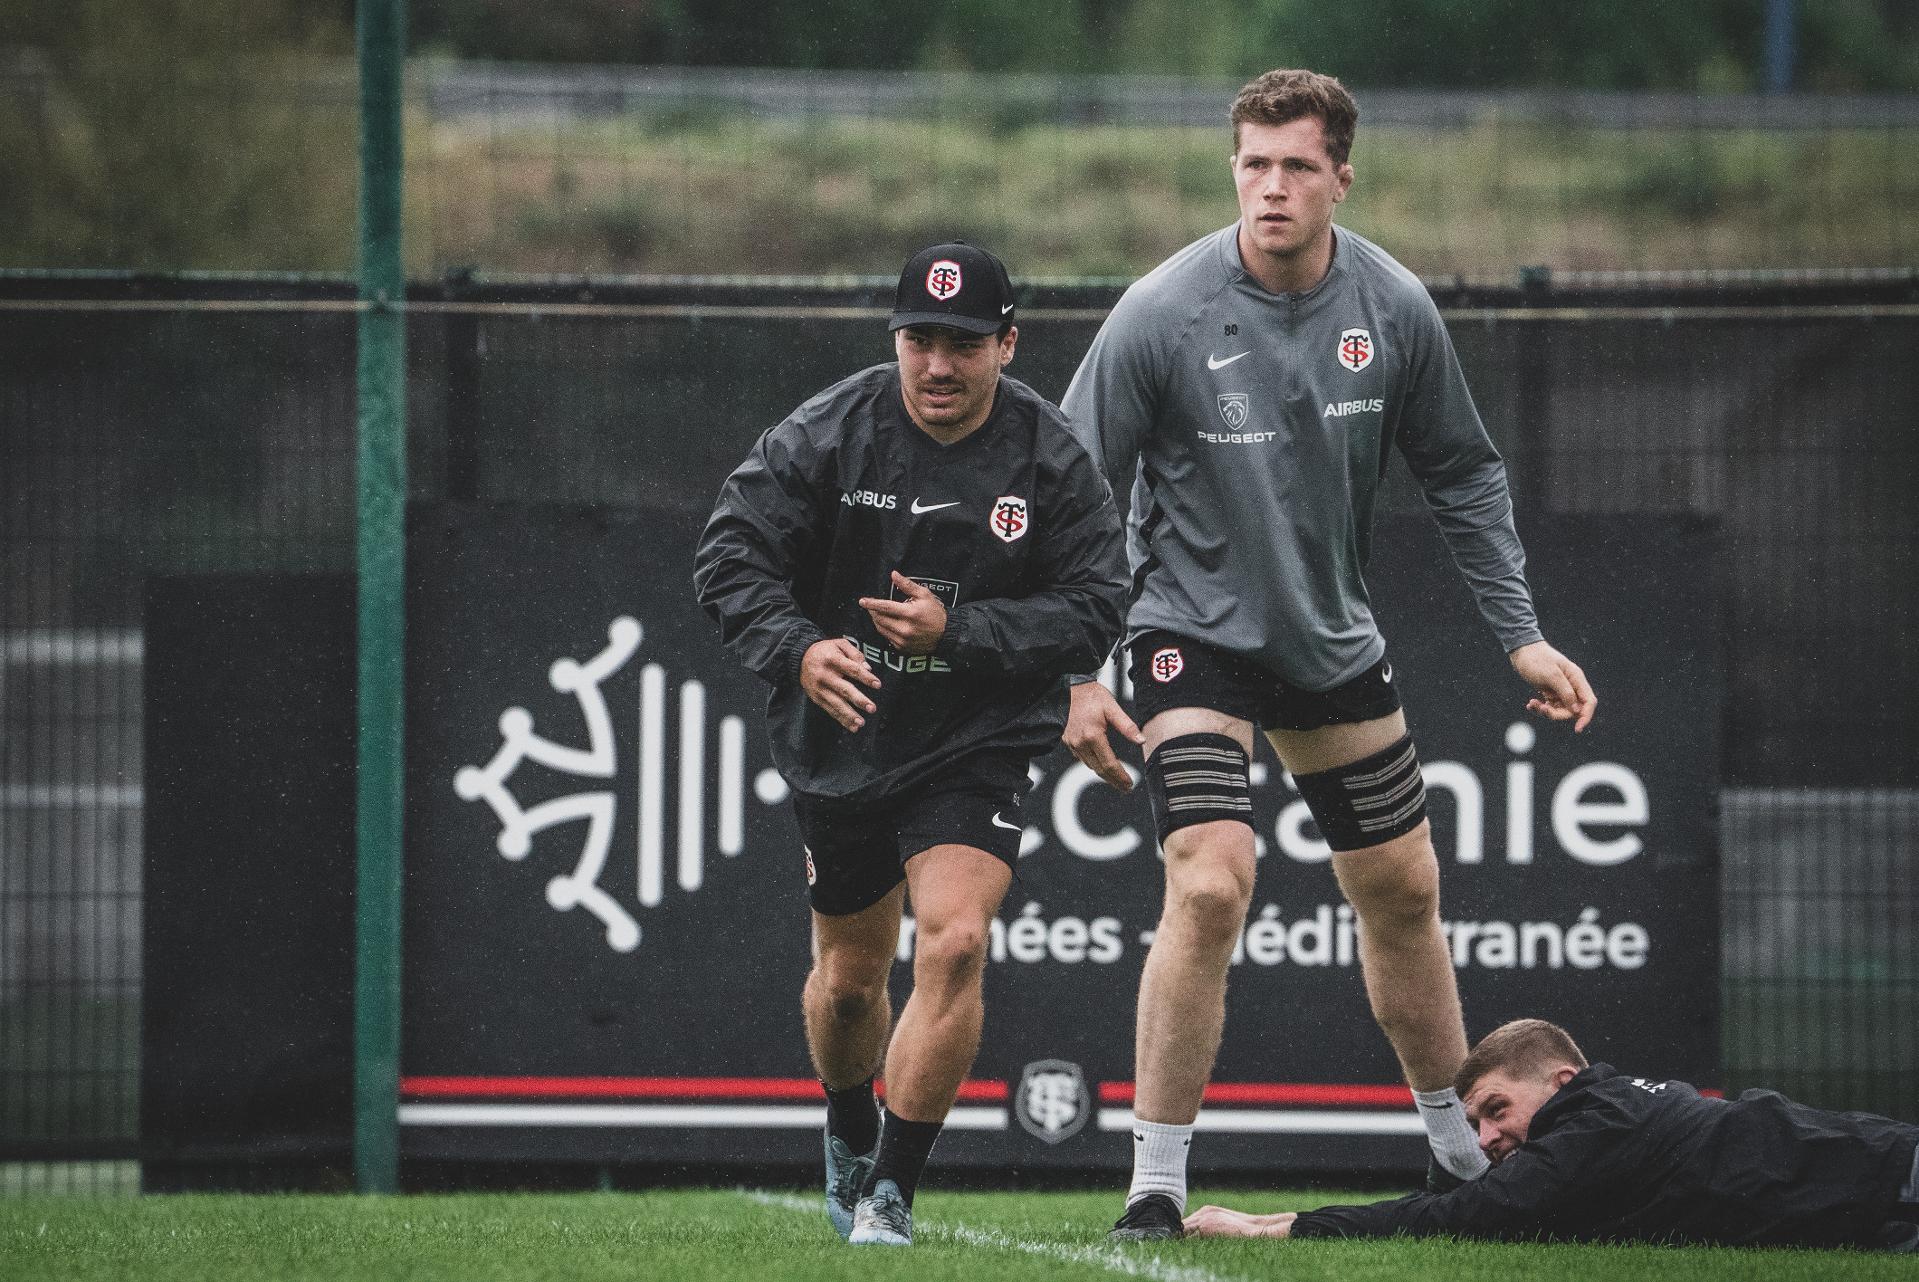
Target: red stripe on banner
point(732, 1088)
point(603, 1087)
point(1297, 1093)
point(1303, 1094)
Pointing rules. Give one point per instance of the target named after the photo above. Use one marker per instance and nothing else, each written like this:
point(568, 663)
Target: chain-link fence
point(128, 160)
point(165, 427)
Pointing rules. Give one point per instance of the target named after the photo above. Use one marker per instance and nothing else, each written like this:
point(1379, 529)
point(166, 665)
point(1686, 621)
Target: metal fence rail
point(153, 426)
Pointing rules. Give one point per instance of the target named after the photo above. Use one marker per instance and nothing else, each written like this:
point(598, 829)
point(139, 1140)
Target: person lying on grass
point(1583, 1153)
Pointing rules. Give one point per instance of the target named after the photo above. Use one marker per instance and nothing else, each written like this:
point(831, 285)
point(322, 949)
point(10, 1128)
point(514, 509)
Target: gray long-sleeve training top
point(1253, 429)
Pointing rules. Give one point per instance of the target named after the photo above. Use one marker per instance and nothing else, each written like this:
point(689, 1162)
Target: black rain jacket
point(1612, 1158)
point(1013, 527)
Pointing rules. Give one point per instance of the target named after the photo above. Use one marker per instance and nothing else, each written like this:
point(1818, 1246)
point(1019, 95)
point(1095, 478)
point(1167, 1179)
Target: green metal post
point(382, 619)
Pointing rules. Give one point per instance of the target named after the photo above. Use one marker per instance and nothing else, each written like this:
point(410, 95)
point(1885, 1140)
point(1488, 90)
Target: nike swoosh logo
point(1187, 1143)
point(1005, 309)
point(1213, 362)
point(931, 507)
point(1001, 823)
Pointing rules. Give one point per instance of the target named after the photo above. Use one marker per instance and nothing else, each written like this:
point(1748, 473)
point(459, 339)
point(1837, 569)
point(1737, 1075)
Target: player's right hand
point(1561, 690)
point(1093, 713)
point(1220, 1221)
point(831, 673)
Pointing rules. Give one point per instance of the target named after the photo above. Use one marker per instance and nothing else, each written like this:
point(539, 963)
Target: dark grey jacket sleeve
point(1073, 620)
point(1464, 480)
point(768, 517)
point(1528, 1196)
point(1110, 406)
point(1114, 396)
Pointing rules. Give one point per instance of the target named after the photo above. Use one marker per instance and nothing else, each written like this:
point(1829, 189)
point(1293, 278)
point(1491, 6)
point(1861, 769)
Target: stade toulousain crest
point(1009, 520)
point(1053, 1103)
point(1167, 664)
point(943, 279)
point(1356, 349)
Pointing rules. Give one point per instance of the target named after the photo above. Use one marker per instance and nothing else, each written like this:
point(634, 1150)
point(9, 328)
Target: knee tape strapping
point(1196, 779)
point(1371, 801)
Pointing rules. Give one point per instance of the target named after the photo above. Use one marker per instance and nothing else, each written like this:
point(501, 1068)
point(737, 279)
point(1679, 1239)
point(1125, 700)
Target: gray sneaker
point(883, 1219)
point(845, 1176)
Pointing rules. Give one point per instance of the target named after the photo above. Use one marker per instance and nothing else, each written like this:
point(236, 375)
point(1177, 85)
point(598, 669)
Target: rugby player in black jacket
point(914, 560)
point(1584, 1154)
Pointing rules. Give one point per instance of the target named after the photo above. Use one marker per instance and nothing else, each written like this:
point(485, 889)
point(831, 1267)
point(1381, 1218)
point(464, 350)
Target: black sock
point(852, 1117)
point(904, 1148)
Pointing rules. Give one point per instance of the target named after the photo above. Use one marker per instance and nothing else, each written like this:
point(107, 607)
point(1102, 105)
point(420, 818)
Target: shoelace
point(893, 1213)
point(846, 1183)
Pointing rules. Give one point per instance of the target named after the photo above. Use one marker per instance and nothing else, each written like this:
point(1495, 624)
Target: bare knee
point(949, 953)
point(1394, 888)
point(849, 986)
point(1209, 882)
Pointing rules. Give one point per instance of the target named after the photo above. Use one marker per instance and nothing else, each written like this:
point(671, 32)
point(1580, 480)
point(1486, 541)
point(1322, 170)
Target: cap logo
point(943, 279)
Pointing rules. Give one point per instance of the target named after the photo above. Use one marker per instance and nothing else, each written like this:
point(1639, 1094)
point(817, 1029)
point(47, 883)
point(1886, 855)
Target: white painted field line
point(1110, 1258)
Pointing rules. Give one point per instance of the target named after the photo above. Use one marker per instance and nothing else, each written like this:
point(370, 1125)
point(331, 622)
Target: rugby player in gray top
point(1248, 394)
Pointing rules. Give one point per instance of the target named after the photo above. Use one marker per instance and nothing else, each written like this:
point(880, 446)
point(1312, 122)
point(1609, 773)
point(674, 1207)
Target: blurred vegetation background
point(1708, 45)
point(607, 136)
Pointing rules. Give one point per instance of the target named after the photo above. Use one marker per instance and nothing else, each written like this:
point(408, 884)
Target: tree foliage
point(167, 132)
point(1701, 45)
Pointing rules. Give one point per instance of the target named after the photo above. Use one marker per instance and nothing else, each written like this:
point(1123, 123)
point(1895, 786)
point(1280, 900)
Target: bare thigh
point(861, 944)
point(1307, 752)
point(1175, 722)
point(955, 883)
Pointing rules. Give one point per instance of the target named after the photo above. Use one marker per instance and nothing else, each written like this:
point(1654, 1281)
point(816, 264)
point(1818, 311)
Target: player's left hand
point(1561, 690)
point(1218, 1221)
point(912, 626)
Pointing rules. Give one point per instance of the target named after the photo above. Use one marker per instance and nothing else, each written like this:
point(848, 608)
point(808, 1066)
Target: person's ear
point(1563, 1074)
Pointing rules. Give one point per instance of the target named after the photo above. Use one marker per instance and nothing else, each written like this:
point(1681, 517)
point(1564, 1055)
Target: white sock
point(1453, 1141)
point(1159, 1160)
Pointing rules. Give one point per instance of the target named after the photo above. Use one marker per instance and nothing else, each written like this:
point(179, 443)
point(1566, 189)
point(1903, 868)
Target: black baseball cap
point(958, 285)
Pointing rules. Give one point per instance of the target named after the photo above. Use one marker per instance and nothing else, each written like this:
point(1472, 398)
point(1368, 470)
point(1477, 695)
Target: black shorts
point(1171, 671)
point(856, 854)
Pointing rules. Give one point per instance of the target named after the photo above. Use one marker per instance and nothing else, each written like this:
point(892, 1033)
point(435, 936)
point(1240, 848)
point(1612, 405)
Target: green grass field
point(766, 1236)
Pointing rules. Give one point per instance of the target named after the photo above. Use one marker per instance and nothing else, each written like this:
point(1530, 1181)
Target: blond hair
point(1524, 1048)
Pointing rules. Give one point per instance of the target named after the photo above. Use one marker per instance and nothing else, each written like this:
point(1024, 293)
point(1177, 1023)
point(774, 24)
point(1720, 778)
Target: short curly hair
point(1281, 97)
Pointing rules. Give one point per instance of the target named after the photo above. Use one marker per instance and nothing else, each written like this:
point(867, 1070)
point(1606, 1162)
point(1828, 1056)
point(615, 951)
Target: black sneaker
point(1439, 1179)
point(1153, 1218)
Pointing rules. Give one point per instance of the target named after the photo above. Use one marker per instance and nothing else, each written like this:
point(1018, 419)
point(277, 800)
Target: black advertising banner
point(246, 915)
point(606, 916)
